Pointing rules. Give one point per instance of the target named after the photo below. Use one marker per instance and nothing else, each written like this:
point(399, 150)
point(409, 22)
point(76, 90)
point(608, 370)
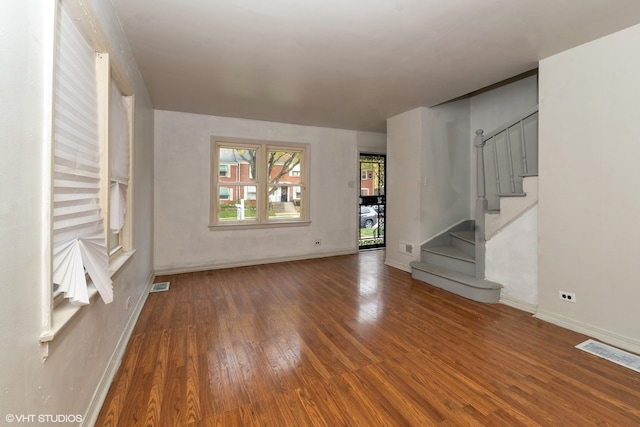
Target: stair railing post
point(481, 204)
point(523, 144)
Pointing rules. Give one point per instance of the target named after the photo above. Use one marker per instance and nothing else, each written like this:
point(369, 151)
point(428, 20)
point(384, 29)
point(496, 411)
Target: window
point(91, 168)
point(251, 192)
point(363, 175)
point(225, 193)
point(120, 108)
point(270, 184)
point(223, 171)
point(79, 242)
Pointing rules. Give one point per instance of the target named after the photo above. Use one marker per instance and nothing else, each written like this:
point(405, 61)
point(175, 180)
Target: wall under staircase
point(455, 259)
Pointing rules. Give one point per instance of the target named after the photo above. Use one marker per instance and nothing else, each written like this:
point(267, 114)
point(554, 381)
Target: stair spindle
point(512, 177)
point(525, 165)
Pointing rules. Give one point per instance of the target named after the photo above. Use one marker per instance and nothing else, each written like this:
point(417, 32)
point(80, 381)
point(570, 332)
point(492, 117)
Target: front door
point(372, 201)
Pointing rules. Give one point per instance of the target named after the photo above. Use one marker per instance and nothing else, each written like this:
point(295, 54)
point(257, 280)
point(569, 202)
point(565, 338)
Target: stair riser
point(475, 294)
point(465, 267)
point(463, 245)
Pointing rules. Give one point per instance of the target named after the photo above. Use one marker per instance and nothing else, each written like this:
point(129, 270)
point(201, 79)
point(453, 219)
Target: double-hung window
point(266, 186)
point(91, 162)
point(120, 114)
point(79, 245)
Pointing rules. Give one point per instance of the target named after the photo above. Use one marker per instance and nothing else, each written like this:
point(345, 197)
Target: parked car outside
point(368, 217)
point(379, 209)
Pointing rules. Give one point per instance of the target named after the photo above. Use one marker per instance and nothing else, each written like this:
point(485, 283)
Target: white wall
point(369, 142)
point(427, 177)
point(405, 141)
point(511, 259)
point(445, 173)
point(588, 197)
point(82, 355)
point(183, 241)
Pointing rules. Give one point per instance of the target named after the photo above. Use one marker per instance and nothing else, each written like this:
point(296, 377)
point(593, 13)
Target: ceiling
point(348, 64)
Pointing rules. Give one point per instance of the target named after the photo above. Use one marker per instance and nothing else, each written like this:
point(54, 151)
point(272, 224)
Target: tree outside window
point(268, 180)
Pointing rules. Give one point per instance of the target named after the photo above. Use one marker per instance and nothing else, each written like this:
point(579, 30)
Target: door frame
point(375, 197)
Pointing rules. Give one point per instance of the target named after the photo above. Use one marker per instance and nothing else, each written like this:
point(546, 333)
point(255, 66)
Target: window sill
point(119, 261)
point(65, 311)
point(252, 226)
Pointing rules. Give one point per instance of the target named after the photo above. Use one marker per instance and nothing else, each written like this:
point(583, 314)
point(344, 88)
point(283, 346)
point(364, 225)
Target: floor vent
point(612, 354)
point(160, 287)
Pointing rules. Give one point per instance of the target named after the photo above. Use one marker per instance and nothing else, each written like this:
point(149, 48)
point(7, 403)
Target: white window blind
point(78, 232)
point(118, 156)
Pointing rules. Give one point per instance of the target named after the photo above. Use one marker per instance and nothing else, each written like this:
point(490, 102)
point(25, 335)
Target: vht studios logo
point(43, 418)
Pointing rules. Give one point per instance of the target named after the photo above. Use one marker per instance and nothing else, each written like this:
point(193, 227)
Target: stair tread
point(512, 194)
point(451, 252)
point(468, 236)
point(455, 275)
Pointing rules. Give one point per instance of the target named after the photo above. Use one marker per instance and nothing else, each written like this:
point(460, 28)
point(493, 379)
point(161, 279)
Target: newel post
point(481, 204)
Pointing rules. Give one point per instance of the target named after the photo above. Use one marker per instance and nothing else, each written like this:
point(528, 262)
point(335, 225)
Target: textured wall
point(183, 240)
point(588, 205)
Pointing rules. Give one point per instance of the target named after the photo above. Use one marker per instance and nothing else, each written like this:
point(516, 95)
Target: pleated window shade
point(78, 232)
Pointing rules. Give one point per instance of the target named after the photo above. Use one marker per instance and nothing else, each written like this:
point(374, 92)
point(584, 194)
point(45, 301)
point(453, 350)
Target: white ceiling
point(347, 64)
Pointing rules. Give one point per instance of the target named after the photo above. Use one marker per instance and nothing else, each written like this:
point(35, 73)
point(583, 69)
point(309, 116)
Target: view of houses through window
point(258, 183)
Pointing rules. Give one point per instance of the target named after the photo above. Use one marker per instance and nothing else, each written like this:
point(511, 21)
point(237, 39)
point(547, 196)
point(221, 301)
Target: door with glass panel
point(372, 201)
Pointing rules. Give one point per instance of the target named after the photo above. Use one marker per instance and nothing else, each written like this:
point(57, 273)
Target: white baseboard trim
point(626, 343)
point(397, 265)
point(192, 268)
point(519, 304)
point(102, 389)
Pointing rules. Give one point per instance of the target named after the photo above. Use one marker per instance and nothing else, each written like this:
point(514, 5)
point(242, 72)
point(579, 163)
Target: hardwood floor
point(348, 341)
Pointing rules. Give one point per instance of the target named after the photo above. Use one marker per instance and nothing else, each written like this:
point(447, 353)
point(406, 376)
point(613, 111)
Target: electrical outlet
point(317, 242)
point(567, 296)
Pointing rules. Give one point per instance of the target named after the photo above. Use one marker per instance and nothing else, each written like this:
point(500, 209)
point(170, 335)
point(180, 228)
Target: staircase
point(455, 259)
point(283, 208)
point(448, 262)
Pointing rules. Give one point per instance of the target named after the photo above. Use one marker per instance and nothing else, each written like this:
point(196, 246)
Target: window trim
point(261, 183)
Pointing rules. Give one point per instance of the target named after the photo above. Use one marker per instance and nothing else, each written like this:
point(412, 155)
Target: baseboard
point(102, 389)
point(626, 343)
point(397, 265)
point(192, 268)
point(519, 304)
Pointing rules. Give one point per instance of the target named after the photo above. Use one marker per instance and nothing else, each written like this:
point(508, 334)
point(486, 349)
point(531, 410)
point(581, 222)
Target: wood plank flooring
point(348, 341)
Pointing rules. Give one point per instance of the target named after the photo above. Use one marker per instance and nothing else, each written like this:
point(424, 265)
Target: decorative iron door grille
point(372, 201)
